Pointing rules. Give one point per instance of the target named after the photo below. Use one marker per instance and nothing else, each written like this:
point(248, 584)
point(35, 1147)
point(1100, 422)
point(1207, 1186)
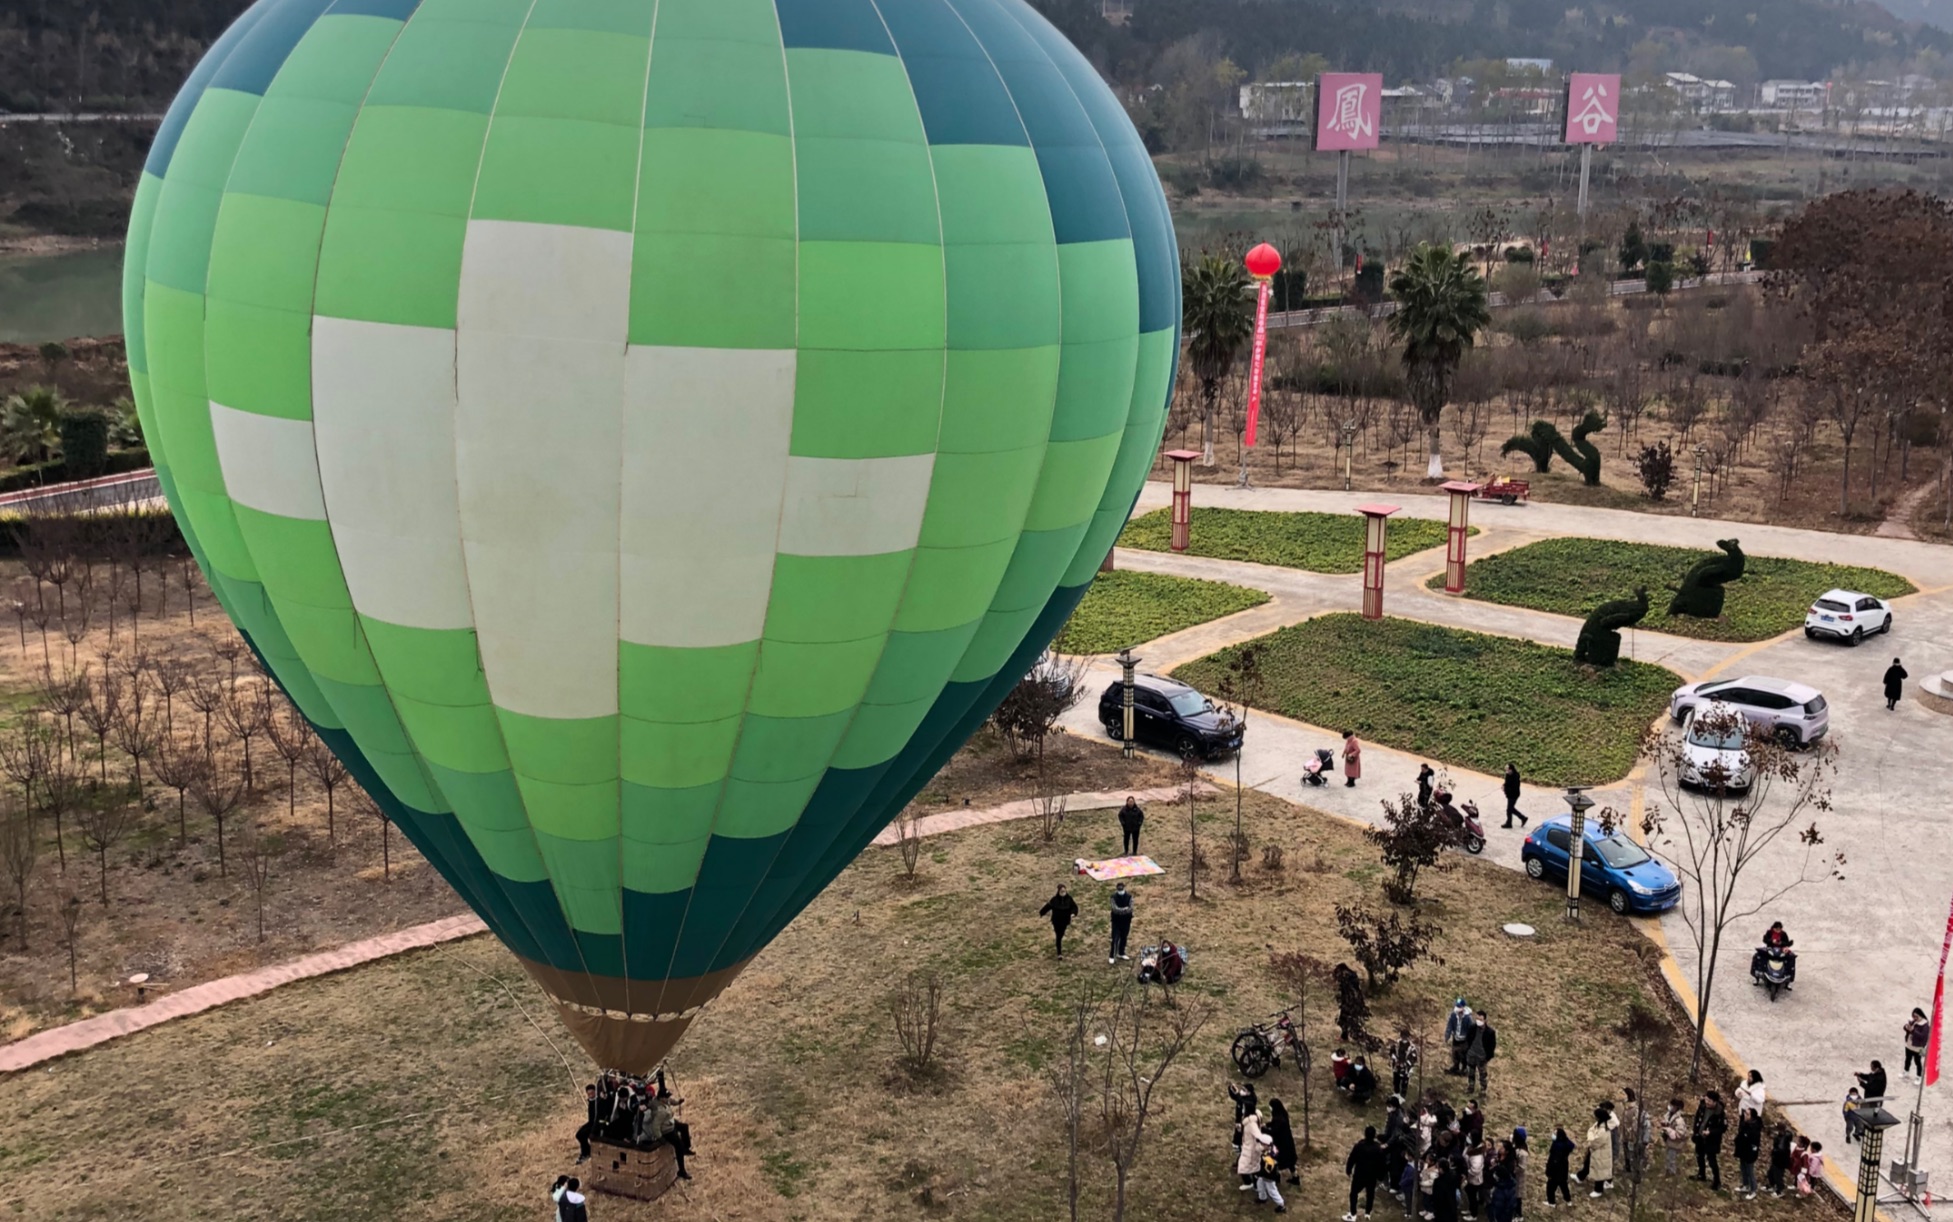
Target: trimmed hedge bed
point(1318, 542)
point(1125, 609)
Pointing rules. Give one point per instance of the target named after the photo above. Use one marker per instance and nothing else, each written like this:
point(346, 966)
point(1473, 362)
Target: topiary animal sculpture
point(1536, 445)
point(1700, 594)
point(1600, 636)
point(1582, 455)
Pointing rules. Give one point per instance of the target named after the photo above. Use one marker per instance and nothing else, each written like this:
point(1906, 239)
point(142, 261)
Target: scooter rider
point(1776, 941)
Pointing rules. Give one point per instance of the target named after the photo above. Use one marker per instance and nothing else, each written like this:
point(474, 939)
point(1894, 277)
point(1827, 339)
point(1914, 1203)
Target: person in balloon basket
point(658, 1122)
point(1061, 908)
point(1121, 922)
point(593, 1113)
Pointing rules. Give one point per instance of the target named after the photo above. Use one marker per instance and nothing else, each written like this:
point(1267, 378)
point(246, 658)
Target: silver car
point(1795, 712)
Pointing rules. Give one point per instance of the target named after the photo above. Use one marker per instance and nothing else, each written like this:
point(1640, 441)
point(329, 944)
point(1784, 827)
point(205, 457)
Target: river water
point(45, 297)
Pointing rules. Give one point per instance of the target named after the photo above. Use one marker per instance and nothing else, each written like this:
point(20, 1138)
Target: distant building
point(1118, 12)
point(1700, 94)
point(1541, 66)
point(1794, 95)
point(1526, 100)
point(1277, 102)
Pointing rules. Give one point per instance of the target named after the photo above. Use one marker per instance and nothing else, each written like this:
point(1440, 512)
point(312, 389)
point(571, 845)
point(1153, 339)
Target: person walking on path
point(1283, 1136)
point(1426, 778)
point(1512, 796)
point(1559, 1160)
point(1919, 1033)
point(1061, 908)
point(1352, 759)
point(1121, 922)
point(1479, 1051)
point(1710, 1124)
point(1364, 1167)
point(1895, 684)
point(1131, 819)
point(1457, 1033)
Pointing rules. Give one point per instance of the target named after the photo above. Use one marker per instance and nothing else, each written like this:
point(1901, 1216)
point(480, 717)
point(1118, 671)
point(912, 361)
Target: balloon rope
point(567, 1067)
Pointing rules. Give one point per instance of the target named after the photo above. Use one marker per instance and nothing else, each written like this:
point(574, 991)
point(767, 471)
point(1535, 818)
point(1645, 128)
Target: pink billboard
point(1593, 108)
point(1349, 110)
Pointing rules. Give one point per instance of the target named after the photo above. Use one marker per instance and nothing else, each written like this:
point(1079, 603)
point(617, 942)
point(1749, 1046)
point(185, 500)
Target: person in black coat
point(1131, 819)
point(1872, 1081)
point(1711, 1122)
point(1278, 1131)
point(1512, 796)
point(1895, 684)
point(1425, 778)
point(1121, 922)
point(1364, 1166)
point(591, 1126)
point(1559, 1159)
point(1061, 908)
point(1749, 1144)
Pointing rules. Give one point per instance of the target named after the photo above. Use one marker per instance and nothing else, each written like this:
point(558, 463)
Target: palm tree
point(1217, 313)
point(30, 423)
point(1441, 309)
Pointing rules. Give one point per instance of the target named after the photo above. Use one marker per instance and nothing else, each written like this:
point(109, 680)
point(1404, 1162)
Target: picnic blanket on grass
point(1117, 867)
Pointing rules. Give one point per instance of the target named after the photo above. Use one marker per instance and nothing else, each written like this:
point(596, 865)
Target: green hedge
point(1318, 542)
point(97, 536)
point(1460, 698)
point(34, 475)
point(1573, 576)
point(1123, 609)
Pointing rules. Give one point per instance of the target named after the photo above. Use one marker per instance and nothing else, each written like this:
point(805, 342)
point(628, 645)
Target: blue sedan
point(1611, 867)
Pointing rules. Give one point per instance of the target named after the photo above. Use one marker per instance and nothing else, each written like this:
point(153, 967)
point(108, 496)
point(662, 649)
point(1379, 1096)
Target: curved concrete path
point(1869, 944)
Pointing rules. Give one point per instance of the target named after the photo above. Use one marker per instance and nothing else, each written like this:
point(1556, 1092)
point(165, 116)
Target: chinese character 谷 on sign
point(1593, 108)
point(1349, 109)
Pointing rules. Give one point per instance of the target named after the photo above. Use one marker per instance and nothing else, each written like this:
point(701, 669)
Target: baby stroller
point(1162, 964)
point(1318, 770)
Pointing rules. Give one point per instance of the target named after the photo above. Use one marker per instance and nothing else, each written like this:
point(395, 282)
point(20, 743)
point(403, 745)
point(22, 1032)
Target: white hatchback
point(1715, 746)
point(1847, 615)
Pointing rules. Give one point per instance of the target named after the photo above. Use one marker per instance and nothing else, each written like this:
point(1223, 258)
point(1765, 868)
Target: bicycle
point(1259, 1046)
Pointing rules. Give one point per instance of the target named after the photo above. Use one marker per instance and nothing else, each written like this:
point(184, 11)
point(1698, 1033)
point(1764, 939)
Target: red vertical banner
point(1255, 361)
point(1939, 1005)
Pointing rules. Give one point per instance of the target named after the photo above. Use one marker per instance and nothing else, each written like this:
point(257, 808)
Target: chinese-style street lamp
point(1376, 522)
point(1183, 461)
point(1349, 451)
point(1262, 263)
point(1462, 493)
point(1695, 491)
point(1874, 1120)
point(1577, 804)
point(1127, 663)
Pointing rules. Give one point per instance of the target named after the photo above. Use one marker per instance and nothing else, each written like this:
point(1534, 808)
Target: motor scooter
point(1775, 968)
point(1471, 833)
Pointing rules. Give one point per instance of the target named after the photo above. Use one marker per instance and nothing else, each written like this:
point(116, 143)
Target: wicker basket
point(626, 1171)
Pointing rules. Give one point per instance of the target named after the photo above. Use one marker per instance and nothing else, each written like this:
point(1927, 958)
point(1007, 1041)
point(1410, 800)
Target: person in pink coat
point(1352, 758)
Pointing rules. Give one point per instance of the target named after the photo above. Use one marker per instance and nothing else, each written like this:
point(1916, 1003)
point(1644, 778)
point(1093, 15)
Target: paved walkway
point(89, 1032)
point(1027, 808)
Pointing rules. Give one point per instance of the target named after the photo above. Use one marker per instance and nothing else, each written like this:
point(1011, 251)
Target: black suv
point(1169, 714)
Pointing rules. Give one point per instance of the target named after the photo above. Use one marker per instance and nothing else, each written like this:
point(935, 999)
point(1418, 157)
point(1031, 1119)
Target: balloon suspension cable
point(553, 1046)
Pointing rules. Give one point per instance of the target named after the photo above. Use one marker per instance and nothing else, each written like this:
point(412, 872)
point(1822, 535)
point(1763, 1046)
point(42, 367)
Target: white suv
point(1795, 712)
point(1847, 616)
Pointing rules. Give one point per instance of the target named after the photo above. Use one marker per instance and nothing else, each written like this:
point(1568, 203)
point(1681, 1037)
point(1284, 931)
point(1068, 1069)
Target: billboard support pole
point(1586, 164)
point(1342, 208)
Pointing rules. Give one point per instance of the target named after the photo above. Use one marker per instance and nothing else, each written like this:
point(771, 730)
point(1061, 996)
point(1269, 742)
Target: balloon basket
point(626, 1171)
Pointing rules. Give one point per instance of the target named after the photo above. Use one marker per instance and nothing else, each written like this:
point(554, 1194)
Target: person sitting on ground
point(1360, 1083)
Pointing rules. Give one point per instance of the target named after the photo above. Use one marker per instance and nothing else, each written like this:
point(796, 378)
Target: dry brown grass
point(798, 1107)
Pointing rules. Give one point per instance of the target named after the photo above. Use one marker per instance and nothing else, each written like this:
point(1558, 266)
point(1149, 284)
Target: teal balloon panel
point(646, 437)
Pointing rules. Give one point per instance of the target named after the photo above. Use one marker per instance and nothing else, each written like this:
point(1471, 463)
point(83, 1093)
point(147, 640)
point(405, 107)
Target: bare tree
point(71, 939)
point(326, 769)
point(135, 728)
point(245, 711)
point(257, 848)
point(916, 1008)
point(20, 852)
point(1029, 714)
point(24, 750)
point(176, 766)
point(105, 822)
point(1298, 972)
point(218, 786)
point(61, 792)
point(99, 711)
point(206, 696)
point(1142, 1041)
point(291, 737)
point(908, 839)
point(1714, 831)
point(1240, 687)
point(1190, 789)
point(188, 570)
point(1647, 1035)
point(1070, 1077)
point(365, 804)
point(170, 677)
point(63, 695)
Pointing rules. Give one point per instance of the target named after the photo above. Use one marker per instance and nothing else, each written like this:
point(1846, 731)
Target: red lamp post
point(1462, 493)
point(1183, 461)
point(1262, 263)
point(1376, 522)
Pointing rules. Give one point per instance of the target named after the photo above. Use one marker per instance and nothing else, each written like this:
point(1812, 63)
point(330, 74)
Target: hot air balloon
point(646, 437)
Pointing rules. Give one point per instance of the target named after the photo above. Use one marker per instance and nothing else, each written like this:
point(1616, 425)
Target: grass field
point(418, 1088)
point(1573, 576)
point(1124, 608)
point(1318, 542)
point(1462, 698)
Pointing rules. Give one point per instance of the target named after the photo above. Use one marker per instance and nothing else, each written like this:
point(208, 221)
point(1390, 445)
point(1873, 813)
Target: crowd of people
point(640, 1112)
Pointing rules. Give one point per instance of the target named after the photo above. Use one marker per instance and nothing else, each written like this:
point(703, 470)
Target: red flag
point(1939, 1005)
point(1255, 362)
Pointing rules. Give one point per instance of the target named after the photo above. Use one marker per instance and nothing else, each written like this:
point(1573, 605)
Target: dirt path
point(1898, 522)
